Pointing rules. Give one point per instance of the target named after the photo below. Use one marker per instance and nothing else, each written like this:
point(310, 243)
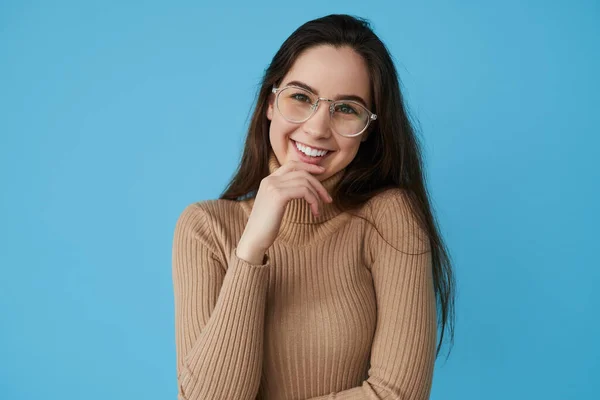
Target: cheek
point(282, 128)
point(280, 133)
point(349, 146)
point(347, 152)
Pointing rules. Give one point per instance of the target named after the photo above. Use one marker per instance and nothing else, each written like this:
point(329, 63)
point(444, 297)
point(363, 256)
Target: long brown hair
point(390, 157)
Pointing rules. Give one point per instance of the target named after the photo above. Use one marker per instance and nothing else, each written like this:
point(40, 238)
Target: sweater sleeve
point(219, 314)
point(403, 349)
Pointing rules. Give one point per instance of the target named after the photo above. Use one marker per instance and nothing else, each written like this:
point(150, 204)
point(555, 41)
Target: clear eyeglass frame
point(315, 107)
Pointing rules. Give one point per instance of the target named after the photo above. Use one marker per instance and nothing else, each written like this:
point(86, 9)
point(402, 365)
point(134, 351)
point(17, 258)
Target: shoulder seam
point(207, 218)
point(387, 201)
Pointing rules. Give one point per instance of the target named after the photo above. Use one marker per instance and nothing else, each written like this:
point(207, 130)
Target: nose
point(318, 124)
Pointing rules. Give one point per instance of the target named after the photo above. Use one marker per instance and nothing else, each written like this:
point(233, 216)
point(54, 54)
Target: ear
point(270, 106)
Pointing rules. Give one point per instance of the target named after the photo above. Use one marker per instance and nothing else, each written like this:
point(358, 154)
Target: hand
point(293, 180)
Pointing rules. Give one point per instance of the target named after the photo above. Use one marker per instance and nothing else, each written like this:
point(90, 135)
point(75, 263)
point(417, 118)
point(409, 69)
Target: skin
point(330, 72)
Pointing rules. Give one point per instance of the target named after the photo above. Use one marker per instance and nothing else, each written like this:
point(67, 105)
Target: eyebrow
point(338, 97)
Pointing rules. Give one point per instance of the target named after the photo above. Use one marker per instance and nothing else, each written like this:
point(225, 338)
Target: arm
point(219, 314)
point(403, 350)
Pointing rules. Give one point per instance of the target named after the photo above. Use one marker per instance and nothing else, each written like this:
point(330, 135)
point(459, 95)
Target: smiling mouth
point(310, 159)
point(305, 145)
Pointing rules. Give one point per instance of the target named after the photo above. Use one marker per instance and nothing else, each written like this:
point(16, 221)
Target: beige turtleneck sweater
point(337, 311)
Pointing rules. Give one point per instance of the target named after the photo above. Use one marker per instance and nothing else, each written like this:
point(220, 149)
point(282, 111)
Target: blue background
point(116, 115)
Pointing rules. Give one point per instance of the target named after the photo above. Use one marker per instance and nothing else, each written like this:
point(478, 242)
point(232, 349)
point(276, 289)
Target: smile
point(316, 159)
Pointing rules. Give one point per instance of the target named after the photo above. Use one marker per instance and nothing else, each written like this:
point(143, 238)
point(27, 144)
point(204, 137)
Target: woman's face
point(330, 72)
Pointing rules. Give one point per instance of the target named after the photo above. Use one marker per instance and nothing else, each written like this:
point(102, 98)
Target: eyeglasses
point(347, 118)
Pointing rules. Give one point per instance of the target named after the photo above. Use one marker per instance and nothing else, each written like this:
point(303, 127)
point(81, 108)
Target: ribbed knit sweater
point(338, 310)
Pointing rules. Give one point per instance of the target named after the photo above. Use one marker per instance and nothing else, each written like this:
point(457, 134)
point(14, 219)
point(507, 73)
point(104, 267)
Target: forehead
point(331, 71)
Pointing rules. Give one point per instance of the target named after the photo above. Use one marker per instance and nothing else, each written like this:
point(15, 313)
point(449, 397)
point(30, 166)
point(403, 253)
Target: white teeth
point(309, 151)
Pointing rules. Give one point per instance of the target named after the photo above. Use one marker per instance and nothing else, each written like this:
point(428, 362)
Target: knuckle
point(276, 193)
point(275, 190)
point(265, 182)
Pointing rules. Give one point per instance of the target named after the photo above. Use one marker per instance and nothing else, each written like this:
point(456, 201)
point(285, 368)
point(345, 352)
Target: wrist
point(249, 253)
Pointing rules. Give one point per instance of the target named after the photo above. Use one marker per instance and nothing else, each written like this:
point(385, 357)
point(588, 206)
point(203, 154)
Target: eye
point(345, 108)
point(300, 97)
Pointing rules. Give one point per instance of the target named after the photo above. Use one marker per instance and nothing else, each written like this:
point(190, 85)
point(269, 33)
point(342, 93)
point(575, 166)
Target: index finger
point(295, 165)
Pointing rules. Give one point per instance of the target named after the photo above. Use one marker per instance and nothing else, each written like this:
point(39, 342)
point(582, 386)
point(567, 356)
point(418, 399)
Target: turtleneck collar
point(298, 210)
point(299, 227)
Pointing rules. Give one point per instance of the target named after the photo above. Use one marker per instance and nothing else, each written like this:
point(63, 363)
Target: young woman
point(318, 272)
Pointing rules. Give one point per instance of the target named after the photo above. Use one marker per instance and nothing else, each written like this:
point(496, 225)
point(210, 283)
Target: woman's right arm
point(219, 314)
point(220, 310)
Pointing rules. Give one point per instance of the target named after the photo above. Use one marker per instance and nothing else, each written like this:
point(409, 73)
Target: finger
point(294, 165)
point(300, 188)
point(315, 183)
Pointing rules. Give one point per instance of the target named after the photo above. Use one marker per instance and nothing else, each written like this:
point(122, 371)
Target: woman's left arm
point(403, 349)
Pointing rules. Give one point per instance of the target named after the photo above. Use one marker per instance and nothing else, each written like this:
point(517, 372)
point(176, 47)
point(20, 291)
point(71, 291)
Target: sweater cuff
point(266, 262)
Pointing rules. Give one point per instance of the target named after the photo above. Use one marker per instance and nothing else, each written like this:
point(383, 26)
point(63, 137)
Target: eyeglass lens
point(296, 105)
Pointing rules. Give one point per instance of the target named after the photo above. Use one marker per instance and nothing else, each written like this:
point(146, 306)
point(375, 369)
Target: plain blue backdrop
point(114, 116)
